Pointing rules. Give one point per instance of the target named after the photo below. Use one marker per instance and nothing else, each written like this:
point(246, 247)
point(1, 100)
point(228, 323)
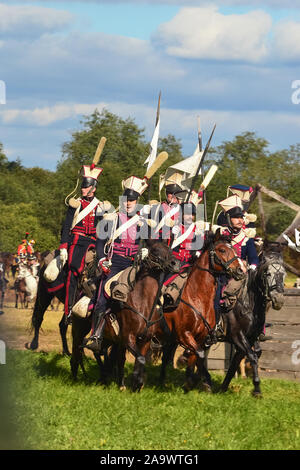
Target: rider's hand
point(63, 254)
point(252, 267)
point(144, 253)
point(105, 265)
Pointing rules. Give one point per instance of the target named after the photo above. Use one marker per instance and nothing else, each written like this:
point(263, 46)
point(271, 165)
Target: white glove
point(145, 210)
point(252, 267)
point(175, 229)
point(63, 254)
point(144, 253)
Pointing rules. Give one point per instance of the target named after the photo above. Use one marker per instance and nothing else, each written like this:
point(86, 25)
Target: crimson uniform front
point(121, 252)
point(77, 241)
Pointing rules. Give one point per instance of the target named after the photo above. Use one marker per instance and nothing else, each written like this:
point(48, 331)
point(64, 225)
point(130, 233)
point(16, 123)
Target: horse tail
point(42, 302)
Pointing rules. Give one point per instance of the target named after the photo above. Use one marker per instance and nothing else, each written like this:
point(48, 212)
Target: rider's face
point(88, 192)
point(171, 199)
point(237, 222)
point(129, 206)
point(188, 219)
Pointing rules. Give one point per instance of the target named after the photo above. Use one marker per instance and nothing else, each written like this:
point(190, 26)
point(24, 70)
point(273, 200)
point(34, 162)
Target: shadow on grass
point(55, 365)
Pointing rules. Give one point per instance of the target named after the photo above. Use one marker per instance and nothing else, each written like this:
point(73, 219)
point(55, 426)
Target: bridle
point(215, 260)
point(225, 265)
point(277, 276)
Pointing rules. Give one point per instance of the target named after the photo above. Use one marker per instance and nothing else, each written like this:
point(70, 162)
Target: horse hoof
point(257, 394)
point(66, 353)
point(31, 346)
point(122, 388)
point(206, 388)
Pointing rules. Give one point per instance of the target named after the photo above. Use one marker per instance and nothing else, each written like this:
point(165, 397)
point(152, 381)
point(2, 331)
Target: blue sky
point(229, 62)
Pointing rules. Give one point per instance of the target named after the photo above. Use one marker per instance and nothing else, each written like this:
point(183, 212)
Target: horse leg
point(121, 358)
point(256, 352)
point(243, 344)
point(80, 328)
point(63, 326)
point(42, 302)
point(202, 370)
point(2, 300)
point(238, 356)
point(167, 356)
point(16, 302)
point(139, 365)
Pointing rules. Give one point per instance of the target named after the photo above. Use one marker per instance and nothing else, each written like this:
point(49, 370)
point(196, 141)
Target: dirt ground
point(15, 326)
point(16, 331)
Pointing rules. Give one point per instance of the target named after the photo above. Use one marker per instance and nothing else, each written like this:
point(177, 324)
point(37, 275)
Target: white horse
point(28, 275)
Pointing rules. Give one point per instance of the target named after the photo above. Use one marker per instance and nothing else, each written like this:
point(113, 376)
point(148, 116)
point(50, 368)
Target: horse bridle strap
point(207, 325)
point(214, 258)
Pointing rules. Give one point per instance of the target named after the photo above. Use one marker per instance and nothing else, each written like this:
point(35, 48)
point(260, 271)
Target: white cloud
point(204, 33)
point(23, 19)
point(286, 42)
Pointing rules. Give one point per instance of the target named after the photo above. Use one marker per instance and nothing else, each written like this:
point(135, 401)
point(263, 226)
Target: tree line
point(32, 199)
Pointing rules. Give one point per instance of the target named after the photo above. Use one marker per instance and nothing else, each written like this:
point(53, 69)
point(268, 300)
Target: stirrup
point(68, 318)
point(220, 328)
point(93, 343)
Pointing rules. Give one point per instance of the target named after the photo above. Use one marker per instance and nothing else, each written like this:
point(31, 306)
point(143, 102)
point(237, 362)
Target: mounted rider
point(186, 242)
point(167, 213)
point(233, 226)
point(22, 248)
point(30, 249)
point(118, 241)
point(78, 234)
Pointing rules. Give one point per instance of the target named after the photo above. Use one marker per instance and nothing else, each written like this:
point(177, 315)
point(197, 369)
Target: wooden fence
point(281, 355)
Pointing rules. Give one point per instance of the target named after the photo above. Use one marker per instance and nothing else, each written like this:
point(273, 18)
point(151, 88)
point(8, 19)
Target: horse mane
point(273, 247)
point(210, 238)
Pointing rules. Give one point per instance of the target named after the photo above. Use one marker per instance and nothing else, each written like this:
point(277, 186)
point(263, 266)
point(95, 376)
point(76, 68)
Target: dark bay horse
point(46, 292)
point(137, 318)
point(265, 287)
point(192, 323)
point(42, 302)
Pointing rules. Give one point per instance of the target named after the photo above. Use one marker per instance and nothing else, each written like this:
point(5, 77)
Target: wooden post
point(291, 229)
point(281, 199)
point(262, 214)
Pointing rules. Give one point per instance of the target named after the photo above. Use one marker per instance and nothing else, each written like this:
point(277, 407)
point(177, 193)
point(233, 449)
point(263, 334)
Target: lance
point(156, 124)
point(202, 157)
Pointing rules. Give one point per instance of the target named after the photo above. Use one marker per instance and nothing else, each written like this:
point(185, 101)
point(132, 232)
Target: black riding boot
point(94, 341)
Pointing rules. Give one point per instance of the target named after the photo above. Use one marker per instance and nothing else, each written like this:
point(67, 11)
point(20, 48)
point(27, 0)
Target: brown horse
point(137, 318)
point(192, 323)
point(142, 318)
point(7, 259)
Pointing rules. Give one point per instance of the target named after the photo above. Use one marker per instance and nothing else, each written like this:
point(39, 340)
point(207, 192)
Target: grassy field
point(47, 410)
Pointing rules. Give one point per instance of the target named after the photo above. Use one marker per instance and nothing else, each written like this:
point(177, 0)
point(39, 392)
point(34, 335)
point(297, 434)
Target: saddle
point(173, 288)
point(119, 286)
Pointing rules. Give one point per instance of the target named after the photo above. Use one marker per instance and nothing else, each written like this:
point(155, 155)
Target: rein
point(206, 324)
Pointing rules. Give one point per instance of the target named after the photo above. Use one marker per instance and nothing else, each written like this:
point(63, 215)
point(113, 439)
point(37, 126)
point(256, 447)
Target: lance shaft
point(201, 161)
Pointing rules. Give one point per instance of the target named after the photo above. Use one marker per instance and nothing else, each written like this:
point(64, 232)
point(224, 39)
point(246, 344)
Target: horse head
point(160, 257)
point(272, 273)
point(223, 258)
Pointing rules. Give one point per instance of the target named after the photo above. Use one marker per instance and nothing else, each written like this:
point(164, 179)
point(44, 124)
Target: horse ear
point(218, 234)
